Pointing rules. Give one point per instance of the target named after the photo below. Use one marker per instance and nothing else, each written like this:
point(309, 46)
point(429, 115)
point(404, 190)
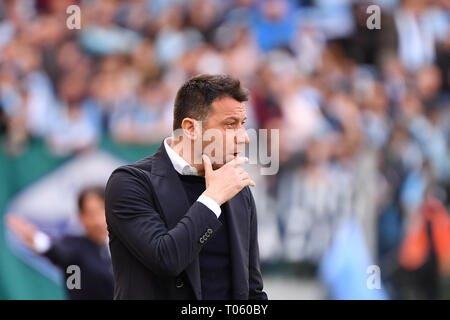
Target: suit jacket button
point(209, 231)
point(179, 283)
point(202, 241)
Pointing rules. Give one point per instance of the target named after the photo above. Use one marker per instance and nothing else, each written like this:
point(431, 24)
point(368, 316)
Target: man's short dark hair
point(95, 190)
point(196, 95)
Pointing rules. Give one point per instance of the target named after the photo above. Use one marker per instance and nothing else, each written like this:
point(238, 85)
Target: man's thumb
point(207, 164)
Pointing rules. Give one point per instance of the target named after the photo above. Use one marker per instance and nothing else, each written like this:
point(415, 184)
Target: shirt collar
point(180, 165)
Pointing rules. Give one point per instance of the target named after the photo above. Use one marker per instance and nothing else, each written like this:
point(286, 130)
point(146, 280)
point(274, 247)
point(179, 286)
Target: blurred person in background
point(89, 252)
point(73, 128)
point(425, 251)
point(147, 120)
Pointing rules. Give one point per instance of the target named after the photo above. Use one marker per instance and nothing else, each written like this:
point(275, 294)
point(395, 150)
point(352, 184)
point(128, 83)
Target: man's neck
point(174, 145)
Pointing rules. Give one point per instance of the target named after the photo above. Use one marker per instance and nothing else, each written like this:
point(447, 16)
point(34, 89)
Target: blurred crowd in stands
point(364, 115)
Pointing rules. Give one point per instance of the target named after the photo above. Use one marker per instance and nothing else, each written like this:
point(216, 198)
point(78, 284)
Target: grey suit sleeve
point(255, 278)
point(132, 216)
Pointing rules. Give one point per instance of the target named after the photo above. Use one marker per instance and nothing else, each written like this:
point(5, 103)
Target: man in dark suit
point(182, 222)
point(88, 252)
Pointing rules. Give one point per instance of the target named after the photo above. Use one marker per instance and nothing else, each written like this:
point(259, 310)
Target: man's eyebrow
point(234, 118)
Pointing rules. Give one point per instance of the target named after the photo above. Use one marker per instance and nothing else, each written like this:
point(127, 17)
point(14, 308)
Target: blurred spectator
point(425, 251)
point(147, 119)
point(419, 26)
point(89, 252)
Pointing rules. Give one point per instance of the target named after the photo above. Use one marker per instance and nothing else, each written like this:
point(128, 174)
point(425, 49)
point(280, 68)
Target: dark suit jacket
point(155, 237)
point(94, 262)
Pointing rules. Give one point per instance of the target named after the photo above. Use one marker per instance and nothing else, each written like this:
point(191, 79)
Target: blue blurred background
point(363, 115)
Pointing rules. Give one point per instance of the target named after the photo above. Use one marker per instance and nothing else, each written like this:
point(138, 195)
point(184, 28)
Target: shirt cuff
point(211, 204)
point(41, 242)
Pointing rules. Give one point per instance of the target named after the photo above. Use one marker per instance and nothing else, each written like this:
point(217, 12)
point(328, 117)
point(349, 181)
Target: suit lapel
point(238, 224)
point(174, 204)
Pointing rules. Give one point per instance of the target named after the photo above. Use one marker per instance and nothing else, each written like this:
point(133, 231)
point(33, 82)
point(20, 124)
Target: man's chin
point(217, 165)
point(228, 158)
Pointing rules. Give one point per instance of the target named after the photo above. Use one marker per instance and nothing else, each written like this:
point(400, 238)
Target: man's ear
point(191, 128)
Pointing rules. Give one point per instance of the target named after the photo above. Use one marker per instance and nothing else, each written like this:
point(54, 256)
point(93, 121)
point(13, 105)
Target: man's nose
point(242, 136)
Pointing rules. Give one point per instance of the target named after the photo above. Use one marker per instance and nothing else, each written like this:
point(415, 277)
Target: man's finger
point(238, 160)
point(244, 175)
point(207, 164)
point(249, 182)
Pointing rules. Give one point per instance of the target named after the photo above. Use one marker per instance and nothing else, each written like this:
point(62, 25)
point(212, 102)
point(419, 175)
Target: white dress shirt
point(41, 242)
point(184, 168)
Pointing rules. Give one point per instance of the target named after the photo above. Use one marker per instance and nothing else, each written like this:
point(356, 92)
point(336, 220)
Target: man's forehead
point(229, 107)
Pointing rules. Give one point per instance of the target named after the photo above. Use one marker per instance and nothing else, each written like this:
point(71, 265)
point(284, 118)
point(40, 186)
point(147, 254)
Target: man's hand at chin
point(224, 183)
